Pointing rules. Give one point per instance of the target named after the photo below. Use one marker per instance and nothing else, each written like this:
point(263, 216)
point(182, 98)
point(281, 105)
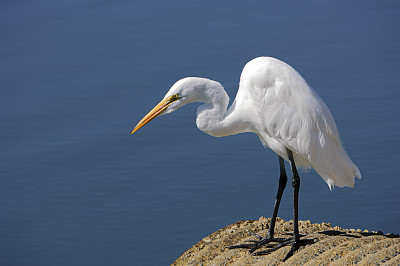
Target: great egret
point(277, 104)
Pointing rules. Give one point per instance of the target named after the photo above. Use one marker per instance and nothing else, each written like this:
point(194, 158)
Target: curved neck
point(213, 117)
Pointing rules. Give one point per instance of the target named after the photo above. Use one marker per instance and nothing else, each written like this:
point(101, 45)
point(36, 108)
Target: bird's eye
point(175, 97)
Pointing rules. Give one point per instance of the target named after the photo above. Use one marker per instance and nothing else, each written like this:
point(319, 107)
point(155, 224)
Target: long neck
point(213, 117)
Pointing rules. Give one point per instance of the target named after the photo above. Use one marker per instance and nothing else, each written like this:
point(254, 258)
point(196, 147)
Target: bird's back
point(289, 114)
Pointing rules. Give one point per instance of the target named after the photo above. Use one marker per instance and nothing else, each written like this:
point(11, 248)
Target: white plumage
point(277, 104)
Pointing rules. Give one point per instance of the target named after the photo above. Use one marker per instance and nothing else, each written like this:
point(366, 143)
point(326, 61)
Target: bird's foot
point(295, 245)
point(266, 242)
point(263, 241)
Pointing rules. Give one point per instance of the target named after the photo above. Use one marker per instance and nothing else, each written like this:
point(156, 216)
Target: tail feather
point(341, 173)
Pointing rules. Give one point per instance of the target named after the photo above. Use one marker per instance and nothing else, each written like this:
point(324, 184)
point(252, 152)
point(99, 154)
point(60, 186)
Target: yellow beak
point(156, 111)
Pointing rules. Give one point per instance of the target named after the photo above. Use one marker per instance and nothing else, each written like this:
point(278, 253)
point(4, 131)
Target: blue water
point(76, 76)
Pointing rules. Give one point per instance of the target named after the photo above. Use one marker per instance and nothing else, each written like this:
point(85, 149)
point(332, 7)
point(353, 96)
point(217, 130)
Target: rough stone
point(332, 246)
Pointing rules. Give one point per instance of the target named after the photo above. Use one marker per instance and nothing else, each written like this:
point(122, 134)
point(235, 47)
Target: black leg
point(282, 185)
point(296, 188)
point(270, 236)
point(295, 242)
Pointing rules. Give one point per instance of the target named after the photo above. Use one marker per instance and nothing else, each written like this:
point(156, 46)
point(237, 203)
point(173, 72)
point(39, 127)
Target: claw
point(254, 234)
point(296, 246)
point(241, 246)
point(266, 242)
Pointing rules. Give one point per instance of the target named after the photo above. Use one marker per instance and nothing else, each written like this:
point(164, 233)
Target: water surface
point(77, 189)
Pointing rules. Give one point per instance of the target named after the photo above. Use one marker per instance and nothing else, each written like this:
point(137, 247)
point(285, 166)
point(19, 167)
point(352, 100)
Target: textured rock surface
point(332, 246)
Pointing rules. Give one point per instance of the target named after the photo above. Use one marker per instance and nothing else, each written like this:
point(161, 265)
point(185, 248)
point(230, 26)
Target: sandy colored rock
point(332, 246)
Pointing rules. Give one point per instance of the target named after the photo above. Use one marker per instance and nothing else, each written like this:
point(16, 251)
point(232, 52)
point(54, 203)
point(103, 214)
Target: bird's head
point(181, 93)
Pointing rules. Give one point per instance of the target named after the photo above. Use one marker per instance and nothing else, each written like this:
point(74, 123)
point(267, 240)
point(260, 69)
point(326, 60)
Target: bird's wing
point(299, 120)
point(289, 114)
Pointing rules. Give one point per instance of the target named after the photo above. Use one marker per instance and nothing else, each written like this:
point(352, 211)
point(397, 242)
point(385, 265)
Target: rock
point(332, 245)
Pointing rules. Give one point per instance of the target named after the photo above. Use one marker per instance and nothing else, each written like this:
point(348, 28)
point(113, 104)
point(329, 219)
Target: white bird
point(276, 103)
